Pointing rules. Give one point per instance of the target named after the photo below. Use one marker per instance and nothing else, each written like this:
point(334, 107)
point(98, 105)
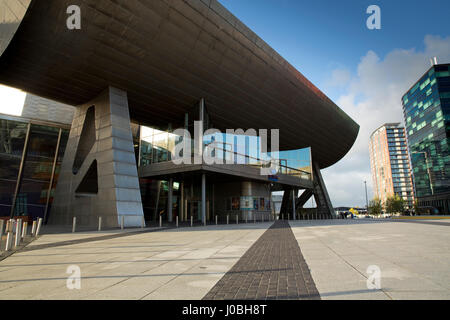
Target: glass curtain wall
point(39, 157)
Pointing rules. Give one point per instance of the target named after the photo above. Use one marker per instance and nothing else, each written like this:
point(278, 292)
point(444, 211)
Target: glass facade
point(157, 146)
point(426, 108)
point(30, 159)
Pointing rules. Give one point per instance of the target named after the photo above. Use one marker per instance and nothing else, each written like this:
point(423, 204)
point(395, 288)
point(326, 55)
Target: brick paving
point(273, 268)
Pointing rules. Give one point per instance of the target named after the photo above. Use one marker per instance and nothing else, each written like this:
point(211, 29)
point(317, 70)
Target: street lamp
point(428, 168)
point(367, 201)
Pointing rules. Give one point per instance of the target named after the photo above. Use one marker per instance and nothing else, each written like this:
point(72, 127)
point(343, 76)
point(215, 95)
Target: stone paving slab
point(182, 263)
point(413, 258)
point(273, 268)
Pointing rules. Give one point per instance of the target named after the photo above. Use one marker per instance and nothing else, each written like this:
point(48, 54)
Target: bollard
point(9, 241)
point(216, 220)
point(228, 218)
point(237, 219)
point(160, 221)
point(38, 229)
point(2, 223)
point(33, 228)
point(7, 226)
point(143, 222)
point(254, 218)
point(24, 229)
point(18, 233)
point(246, 218)
point(192, 221)
point(176, 219)
point(99, 223)
point(262, 217)
point(122, 222)
point(282, 216)
point(74, 224)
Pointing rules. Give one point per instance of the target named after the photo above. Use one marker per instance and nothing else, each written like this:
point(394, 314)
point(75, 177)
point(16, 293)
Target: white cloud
point(372, 98)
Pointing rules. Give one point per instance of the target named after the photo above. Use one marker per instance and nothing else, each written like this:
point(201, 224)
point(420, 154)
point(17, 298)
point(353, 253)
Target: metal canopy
point(168, 55)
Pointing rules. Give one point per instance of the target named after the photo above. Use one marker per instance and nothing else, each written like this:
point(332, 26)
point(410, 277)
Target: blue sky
point(365, 72)
point(322, 35)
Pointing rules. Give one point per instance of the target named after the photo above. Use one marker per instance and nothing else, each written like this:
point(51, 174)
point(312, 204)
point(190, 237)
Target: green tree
point(395, 204)
point(375, 207)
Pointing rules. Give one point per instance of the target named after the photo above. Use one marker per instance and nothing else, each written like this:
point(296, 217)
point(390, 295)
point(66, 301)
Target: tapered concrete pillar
point(203, 198)
point(98, 174)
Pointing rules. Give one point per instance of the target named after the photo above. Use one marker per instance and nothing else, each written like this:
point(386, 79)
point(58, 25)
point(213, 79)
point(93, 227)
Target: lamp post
point(367, 200)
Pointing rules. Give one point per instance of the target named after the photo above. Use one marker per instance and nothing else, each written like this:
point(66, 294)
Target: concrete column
point(181, 211)
point(293, 205)
point(170, 201)
point(203, 198)
point(99, 172)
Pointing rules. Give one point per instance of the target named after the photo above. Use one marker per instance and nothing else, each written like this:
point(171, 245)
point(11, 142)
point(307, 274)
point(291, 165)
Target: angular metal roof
point(167, 54)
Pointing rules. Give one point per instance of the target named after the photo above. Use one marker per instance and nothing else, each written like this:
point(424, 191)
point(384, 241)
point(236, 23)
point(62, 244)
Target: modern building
point(139, 71)
point(390, 165)
point(426, 108)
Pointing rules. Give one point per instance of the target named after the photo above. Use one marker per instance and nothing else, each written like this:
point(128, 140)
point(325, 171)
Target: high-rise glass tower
point(389, 162)
point(426, 108)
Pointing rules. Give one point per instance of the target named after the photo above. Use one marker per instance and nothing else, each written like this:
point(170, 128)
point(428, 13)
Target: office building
point(426, 108)
point(390, 165)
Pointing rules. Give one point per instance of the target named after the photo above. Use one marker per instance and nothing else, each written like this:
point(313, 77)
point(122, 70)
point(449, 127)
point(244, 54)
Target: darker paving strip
point(273, 268)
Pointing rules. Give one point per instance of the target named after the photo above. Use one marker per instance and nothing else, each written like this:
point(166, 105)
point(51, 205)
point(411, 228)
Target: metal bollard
point(122, 222)
point(216, 220)
point(254, 218)
point(9, 241)
point(228, 218)
point(74, 224)
point(262, 217)
point(38, 229)
point(176, 219)
point(192, 221)
point(143, 222)
point(99, 223)
point(160, 221)
point(24, 229)
point(2, 223)
point(282, 216)
point(237, 219)
point(18, 233)
point(246, 218)
point(33, 227)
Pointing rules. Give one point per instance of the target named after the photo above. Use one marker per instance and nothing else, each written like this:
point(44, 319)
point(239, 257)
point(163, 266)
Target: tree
point(395, 204)
point(375, 207)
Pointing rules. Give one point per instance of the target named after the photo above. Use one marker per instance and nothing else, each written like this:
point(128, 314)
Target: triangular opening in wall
point(89, 185)
point(87, 140)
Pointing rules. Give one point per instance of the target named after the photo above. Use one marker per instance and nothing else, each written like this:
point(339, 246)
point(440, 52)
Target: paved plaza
point(327, 259)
